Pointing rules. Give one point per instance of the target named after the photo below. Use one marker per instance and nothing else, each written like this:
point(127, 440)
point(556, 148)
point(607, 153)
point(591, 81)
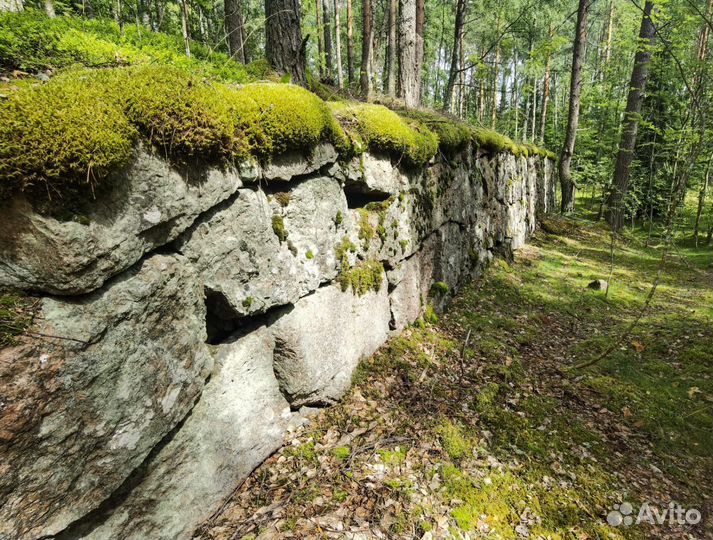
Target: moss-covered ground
point(477, 427)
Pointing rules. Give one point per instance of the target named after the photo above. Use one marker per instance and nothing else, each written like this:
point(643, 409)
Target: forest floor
point(476, 427)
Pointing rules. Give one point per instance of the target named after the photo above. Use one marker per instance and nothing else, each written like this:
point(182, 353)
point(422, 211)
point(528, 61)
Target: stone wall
point(185, 317)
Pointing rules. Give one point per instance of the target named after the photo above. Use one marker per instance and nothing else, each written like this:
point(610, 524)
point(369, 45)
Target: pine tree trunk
point(350, 43)
point(408, 85)
point(455, 56)
point(569, 189)
point(338, 43)
point(494, 110)
point(420, 44)
point(390, 86)
point(284, 47)
point(234, 29)
point(320, 37)
point(637, 85)
point(546, 91)
point(185, 27)
point(328, 55)
point(11, 5)
point(366, 48)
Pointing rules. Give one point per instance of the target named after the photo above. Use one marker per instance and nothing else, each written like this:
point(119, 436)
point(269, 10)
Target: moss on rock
point(365, 276)
point(380, 129)
point(81, 124)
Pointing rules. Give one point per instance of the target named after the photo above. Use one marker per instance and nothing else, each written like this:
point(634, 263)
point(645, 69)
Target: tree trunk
point(338, 43)
point(367, 43)
point(420, 44)
point(284, 47)
point(350, 43)
point(637, 85)
point(185, 27)
point(320, 37)
point(235, 30)
point(494, 110)
point(390, 86)
point(49, 8)
point(569, 188)
point(11, 5)
point(546, 91)
point(327, 27)
point(408, 85)
point(455, 56)
point(702, 199)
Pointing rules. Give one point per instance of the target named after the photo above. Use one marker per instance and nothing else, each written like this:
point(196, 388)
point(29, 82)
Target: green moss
point(247, 302)
point(453, 135)
point(440, 288)
point(454, 440)
point(342, 249)
point(382, 130)
point(340, 495)
point(429, 315)
point(493, 141)
point(47, 136)
point(278, 227)
point(403, 244)
point(339, 218)
point(68, 131)
point(283, 198)
point(364, 277)
point(31, 41)
point(309, 255)
point(341, 452)
point(366, 229)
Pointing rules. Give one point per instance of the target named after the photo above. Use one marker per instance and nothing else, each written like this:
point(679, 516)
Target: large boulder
point(319, 343)
point(148, 204)
point(106, 378)
point(240, 420)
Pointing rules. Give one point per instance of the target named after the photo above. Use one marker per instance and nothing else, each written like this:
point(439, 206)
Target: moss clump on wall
point(364, 277)
point(69, 130)
point(380, 129)
point(453, 135)
point(439, 287)
point(278, 227)
point(81, 124)
point(342, 250)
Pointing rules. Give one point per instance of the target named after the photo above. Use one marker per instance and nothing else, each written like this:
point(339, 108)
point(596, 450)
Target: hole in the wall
point(359, 199)
point(221, 320)
point(223, 323)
